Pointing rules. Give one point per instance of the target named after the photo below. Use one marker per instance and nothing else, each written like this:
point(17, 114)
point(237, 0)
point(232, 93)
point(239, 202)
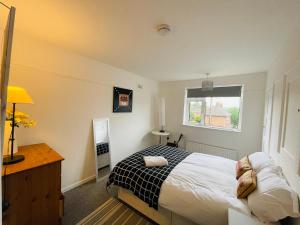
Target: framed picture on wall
point(122, 100)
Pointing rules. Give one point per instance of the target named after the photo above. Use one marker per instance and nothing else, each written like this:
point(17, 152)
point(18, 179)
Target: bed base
point(161, 216)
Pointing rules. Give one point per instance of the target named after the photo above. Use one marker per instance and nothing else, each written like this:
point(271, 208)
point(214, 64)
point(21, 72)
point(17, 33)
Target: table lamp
point(15, 95)
point(162, 114)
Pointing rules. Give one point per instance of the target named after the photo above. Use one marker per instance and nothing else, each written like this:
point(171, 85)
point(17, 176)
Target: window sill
point(214, 128)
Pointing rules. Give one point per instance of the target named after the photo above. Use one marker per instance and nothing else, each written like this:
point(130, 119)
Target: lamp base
point(12, 160)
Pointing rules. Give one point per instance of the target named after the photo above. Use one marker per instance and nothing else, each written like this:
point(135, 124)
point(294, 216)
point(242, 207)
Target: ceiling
point(221, 37)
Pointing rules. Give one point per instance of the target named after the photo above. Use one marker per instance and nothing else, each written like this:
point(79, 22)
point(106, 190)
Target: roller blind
point(230, 91)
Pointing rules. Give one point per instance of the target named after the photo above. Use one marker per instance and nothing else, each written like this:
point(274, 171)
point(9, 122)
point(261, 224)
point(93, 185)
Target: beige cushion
point(242, 166)
point(246, 184)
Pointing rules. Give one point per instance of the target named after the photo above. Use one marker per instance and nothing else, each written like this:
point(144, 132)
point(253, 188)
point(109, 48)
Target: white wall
point(245, 142)
point(287, 63)
point(70, 90)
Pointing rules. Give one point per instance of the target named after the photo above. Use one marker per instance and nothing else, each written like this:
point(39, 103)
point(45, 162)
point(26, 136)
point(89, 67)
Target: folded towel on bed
point(151, 161)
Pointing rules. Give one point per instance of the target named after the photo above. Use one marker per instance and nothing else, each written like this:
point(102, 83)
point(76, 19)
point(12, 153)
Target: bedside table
point(160, 134)
point(238, 218)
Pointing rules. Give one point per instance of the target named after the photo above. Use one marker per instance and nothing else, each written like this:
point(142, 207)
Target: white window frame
point(186, 111)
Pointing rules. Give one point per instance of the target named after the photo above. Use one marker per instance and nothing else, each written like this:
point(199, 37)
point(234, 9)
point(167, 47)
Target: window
point(220, 108)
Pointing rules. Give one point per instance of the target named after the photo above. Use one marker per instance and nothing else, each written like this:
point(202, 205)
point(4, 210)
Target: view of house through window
point(213, 111)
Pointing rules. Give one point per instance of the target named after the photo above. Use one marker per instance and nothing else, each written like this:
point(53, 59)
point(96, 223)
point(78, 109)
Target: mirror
point(101, 148)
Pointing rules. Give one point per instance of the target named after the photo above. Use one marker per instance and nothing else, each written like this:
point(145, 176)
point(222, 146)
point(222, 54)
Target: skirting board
point(78, 183)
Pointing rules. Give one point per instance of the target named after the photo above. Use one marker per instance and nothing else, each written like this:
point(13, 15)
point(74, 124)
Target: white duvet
point(202, 188)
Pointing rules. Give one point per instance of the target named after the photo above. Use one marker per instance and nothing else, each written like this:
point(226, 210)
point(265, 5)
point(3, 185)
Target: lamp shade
point(18, 95)
point(162, 112)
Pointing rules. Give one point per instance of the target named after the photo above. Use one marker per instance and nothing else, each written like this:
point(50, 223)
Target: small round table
point(160, 134)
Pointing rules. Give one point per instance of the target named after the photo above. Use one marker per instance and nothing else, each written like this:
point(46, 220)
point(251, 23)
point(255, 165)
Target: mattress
point(202, 188)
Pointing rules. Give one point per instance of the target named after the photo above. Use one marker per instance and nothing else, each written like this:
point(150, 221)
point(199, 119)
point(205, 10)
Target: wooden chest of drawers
point(33, 187)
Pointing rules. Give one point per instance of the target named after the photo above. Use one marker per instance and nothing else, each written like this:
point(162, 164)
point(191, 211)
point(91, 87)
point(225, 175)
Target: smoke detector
point(163, 29)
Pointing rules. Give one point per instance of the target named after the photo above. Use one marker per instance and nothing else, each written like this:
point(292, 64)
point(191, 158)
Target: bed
point(194, 188)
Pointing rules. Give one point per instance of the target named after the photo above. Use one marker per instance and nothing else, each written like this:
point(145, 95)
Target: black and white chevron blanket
point(145, 182)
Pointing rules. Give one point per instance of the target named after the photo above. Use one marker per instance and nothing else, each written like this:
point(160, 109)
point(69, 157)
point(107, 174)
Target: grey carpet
point(114, 212)
point(103, 171)
point(81, 201)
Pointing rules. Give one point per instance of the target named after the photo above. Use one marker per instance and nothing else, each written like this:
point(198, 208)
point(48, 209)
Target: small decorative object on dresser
point(16, 95)
point(122, 101)
point(21, 119)
point(32, 188)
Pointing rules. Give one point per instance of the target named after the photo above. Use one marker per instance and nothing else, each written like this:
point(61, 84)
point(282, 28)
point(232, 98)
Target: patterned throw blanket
point(102, 148)
point(145, 182)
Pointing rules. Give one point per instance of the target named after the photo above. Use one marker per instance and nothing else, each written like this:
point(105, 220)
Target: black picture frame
point(122, 100)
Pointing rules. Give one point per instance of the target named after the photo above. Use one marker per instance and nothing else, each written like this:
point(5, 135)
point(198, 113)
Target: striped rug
point(114, 212)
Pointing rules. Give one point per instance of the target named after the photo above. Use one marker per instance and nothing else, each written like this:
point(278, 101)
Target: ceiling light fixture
point(207, 85)
point(163, 29)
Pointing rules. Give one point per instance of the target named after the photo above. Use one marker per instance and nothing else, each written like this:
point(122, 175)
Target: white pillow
point(260, 160)
point(273, 198)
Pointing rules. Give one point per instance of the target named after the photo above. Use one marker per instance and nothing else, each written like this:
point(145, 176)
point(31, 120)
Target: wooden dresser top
point(35, 155)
